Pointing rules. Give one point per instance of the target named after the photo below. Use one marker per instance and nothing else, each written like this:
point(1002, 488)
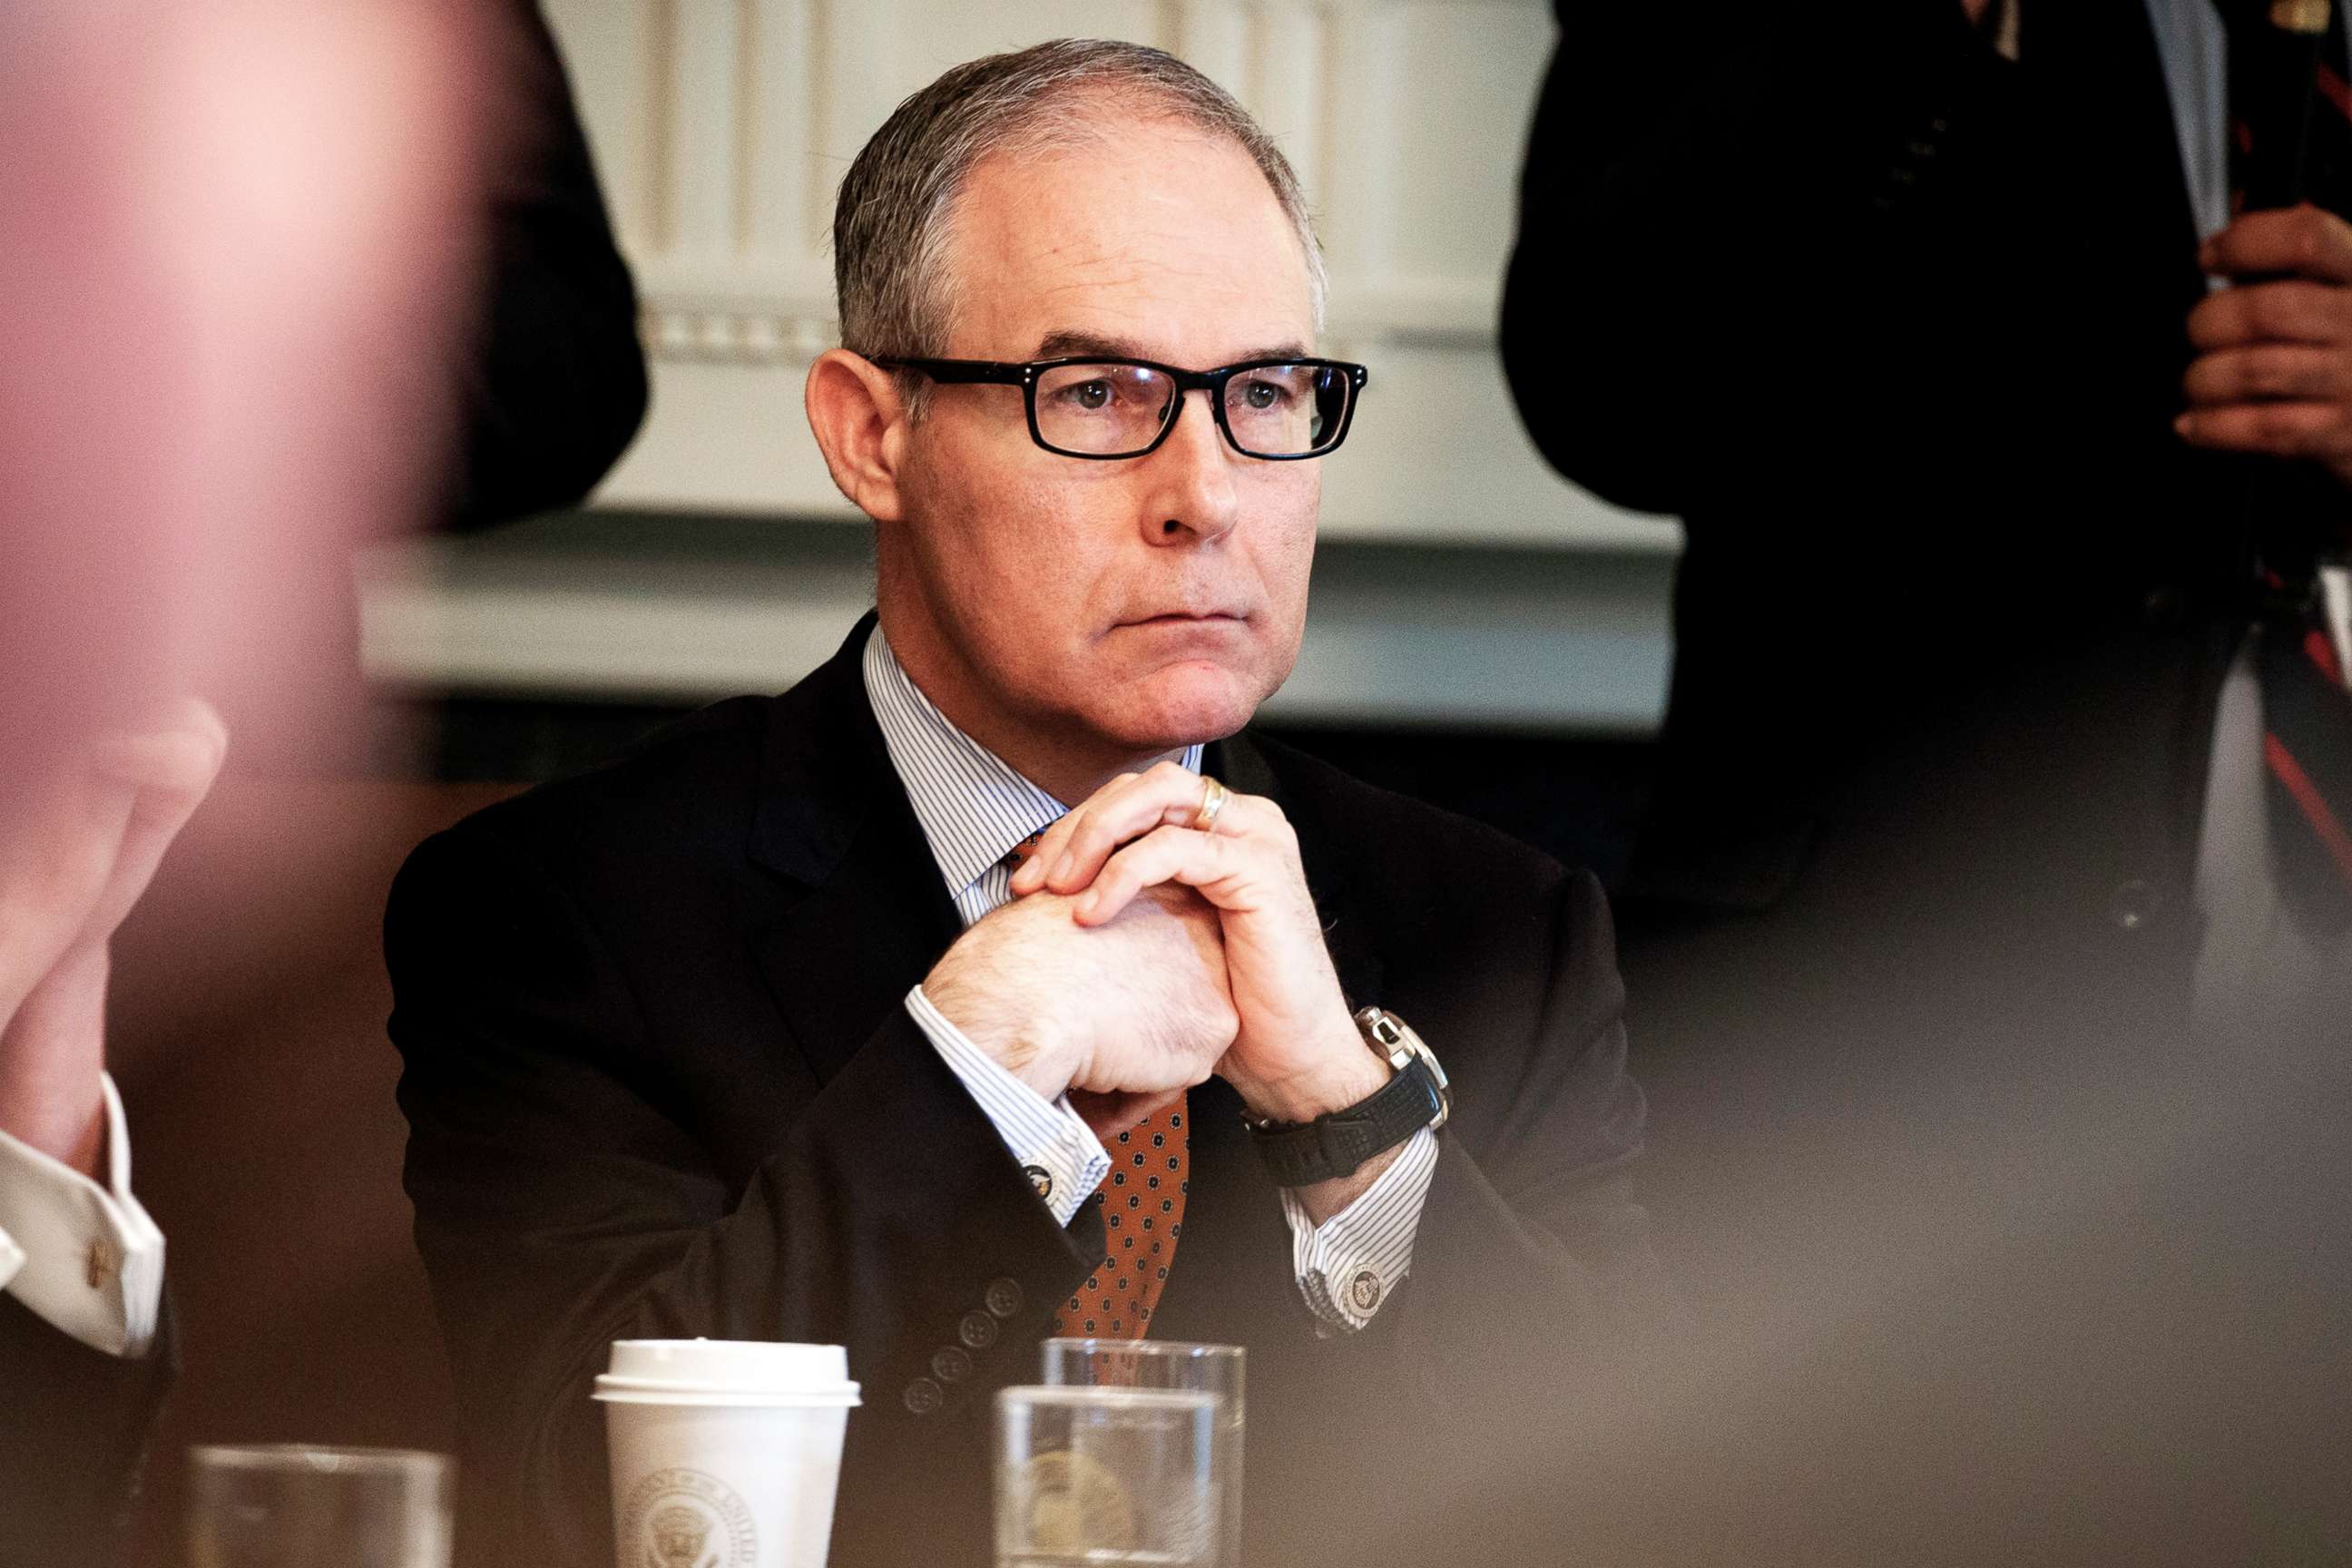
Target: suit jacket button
point(950, 1364)
point(1004, 1297)
point(978, 1331)
point(923, 1396)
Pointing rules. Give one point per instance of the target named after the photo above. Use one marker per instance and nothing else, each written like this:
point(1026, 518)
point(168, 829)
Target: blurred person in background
point(550, 373)
point(1990, 966)
point(821, 1018)
point(241, 282)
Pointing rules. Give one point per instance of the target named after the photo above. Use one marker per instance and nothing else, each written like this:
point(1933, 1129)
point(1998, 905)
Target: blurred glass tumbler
point(726, 1453)
point(1171, 1363)
point(287, 1506)
point(1103, 1476)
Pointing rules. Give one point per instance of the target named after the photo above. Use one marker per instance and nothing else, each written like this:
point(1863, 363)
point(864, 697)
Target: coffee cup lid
point(728, 1367)
point(610, 1390)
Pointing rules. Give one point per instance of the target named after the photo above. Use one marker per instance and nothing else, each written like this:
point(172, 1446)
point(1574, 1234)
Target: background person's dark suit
point(660, 1083)
point(2009, 1262)
point(553, 381)
point(1898, 327)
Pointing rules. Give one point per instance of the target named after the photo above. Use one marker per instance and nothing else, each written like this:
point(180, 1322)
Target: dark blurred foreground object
point(2002, 1198)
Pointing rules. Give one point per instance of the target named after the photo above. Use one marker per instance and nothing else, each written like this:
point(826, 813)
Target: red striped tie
point(2307, 755)
point(2291, 141)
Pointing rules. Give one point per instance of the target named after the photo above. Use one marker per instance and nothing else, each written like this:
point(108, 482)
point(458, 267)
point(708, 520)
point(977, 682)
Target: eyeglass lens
point(1107, 410)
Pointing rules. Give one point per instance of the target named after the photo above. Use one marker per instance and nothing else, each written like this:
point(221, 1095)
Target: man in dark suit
point(759, 1034)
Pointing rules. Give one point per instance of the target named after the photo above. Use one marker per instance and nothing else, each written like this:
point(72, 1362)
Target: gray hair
point(892, 218)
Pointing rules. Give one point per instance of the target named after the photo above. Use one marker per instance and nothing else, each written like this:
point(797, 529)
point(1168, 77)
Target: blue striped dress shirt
point(974, 809)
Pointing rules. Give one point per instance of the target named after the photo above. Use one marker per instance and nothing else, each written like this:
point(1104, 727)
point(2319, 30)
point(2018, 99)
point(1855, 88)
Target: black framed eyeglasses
point(1103, 409)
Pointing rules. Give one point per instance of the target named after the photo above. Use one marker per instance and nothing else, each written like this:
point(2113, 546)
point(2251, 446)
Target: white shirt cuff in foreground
point(1349, 1264)
point(1063, 1158)
point(84, 1257)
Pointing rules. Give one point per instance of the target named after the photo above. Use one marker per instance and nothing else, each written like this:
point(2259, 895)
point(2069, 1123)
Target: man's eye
point(1261, 395)
point(1088, 394)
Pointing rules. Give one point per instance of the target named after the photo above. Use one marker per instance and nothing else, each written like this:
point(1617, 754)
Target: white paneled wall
point(722, 126)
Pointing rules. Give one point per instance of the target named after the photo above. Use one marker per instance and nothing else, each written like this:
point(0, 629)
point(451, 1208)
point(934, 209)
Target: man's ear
point(860, 423)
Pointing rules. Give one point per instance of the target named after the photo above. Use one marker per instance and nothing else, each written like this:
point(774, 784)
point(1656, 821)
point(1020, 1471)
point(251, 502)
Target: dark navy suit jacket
point(660, 1083)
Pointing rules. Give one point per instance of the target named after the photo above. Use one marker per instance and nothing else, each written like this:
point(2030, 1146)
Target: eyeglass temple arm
point(958, 371)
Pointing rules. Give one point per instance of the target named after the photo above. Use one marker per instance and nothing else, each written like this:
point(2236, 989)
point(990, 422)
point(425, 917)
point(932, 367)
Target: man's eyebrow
point(1066, 344)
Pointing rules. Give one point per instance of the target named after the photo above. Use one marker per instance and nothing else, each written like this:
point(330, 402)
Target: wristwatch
point(1337, 1143)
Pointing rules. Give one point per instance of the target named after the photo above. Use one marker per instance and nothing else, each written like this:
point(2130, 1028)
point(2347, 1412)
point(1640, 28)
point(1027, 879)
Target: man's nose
point(1189, 499)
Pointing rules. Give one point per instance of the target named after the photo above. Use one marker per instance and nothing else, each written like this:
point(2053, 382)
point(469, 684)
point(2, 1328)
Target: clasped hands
point(1141, 954)
point(2274, 366)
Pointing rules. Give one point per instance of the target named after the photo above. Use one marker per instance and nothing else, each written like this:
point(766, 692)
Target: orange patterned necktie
point(1143, 1205)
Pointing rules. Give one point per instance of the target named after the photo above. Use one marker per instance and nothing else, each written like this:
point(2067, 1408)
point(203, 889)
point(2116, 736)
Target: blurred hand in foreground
point(241, 237)
point(79, 841)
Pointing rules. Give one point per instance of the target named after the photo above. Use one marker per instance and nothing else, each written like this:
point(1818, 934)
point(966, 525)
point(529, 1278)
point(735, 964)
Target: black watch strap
point(1339, 1143)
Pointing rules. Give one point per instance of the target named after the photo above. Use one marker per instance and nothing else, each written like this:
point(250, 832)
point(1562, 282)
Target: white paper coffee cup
point(725, 1453)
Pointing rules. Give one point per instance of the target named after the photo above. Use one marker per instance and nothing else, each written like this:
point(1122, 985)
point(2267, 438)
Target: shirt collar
point(973, 807)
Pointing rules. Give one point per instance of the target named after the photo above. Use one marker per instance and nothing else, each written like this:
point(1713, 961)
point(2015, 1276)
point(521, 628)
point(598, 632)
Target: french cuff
point(1347, 1265)
point(1051, 1142)
point(90, 1261)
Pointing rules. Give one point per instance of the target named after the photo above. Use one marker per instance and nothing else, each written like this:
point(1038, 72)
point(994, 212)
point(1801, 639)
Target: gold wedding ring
point(1212, 804)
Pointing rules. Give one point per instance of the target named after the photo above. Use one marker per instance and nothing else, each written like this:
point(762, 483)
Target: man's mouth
point(1188, 617)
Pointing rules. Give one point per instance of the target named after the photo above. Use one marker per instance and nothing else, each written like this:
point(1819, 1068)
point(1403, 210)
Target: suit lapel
point(871, 915)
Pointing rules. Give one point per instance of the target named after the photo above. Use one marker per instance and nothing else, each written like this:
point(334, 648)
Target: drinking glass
point(1087, 1477)
point(1170, 1363)
point(290, 1506)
